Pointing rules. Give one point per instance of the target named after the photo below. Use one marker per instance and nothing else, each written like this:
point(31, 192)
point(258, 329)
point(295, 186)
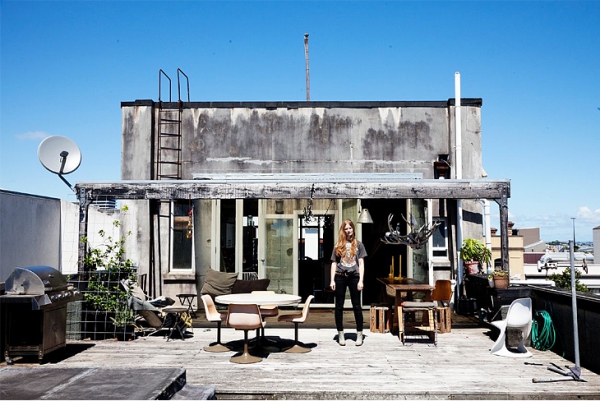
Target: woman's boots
point(359, 338)
point(341, 339)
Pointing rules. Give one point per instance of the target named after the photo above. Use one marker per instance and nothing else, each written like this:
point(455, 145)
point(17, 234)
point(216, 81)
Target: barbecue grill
point(34, 311)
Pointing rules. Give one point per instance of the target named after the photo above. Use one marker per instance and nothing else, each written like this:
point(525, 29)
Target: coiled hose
point(543, 335)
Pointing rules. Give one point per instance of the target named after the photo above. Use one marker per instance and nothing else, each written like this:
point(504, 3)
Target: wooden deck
point(459, 367)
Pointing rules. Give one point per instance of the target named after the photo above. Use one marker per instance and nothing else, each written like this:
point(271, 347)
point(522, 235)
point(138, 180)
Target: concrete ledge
point(52, 383)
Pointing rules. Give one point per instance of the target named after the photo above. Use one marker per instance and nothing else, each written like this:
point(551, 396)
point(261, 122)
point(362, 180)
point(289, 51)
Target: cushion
point(246, 286)
point(218, 283)
point(135, 289)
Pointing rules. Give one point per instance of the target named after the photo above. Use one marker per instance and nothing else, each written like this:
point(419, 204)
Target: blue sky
point(66, 66)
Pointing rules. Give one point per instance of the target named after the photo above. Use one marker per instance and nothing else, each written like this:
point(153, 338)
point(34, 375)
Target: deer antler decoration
point(416, 238)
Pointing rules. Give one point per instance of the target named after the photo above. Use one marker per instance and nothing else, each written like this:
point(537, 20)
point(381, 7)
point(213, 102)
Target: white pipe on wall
point(458, 174)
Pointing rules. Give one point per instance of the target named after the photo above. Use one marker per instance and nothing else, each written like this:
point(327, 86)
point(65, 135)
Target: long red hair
point(340, 245)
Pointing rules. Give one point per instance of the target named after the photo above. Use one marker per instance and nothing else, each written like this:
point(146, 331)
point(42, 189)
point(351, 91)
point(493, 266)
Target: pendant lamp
point(365, 217)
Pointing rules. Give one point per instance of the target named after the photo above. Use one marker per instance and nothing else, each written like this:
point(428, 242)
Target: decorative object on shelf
point(473, 253)
point(417, 236)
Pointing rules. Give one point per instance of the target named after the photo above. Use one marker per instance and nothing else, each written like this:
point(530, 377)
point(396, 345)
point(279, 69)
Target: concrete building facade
point(261, 188)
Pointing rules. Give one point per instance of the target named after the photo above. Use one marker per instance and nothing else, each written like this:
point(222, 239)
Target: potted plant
point(474, 252)
point(499, 278)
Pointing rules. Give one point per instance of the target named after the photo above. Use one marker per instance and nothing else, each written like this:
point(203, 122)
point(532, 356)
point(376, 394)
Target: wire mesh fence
point(104, 311)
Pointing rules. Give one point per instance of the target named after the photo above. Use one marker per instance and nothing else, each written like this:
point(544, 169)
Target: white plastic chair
point(244, 317)
point(212, 315)
point(297, 318)
point(519, 317)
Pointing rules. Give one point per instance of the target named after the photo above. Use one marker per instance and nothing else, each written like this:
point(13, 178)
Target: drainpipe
point(458, 172)
point(487, 231)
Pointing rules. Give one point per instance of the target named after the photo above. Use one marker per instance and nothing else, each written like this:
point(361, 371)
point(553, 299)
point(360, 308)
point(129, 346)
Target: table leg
point(177, 326)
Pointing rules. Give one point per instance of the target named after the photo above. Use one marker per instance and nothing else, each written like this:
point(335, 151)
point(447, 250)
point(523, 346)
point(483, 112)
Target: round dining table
point(258, 299)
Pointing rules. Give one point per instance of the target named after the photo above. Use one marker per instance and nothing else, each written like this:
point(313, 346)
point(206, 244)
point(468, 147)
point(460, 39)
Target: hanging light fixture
point(364, 217)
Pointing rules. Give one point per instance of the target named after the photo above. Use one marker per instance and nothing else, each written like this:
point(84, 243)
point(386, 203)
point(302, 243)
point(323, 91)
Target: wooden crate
point(380, 319)
point(444, 317)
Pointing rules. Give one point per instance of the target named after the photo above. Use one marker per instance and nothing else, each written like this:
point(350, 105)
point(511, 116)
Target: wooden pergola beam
point(498, 190)
point(209, 189)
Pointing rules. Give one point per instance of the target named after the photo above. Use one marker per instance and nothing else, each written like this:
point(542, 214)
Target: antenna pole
point(307, 69)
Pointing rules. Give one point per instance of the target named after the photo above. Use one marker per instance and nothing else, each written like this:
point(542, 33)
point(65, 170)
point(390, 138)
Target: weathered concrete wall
point(30, 232)
point(306, 137)
point(137, 129)
point(41, 231)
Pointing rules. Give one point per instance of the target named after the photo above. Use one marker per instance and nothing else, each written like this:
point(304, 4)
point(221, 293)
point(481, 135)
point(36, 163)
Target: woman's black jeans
point(341, 283)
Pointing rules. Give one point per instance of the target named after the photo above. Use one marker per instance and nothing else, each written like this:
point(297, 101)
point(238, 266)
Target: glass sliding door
point(279, 253)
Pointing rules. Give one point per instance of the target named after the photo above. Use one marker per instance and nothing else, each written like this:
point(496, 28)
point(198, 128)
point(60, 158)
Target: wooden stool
point(411, 326)
point(380, 319)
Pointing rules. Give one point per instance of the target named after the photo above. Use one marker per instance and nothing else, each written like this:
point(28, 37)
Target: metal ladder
point(169, 144)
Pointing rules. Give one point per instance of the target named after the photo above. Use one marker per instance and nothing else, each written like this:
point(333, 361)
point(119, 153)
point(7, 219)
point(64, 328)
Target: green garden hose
point(543, 335)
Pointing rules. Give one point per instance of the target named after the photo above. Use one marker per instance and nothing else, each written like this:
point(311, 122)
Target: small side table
point(187, 300)
point(177, 311)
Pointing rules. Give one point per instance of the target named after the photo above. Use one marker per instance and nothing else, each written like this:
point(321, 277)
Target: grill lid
point(35, 280)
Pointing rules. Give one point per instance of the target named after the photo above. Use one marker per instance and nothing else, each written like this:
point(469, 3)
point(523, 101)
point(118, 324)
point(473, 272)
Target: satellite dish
point(59, 155)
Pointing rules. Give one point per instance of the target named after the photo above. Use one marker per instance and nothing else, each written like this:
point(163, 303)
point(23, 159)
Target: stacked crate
point(380, 318)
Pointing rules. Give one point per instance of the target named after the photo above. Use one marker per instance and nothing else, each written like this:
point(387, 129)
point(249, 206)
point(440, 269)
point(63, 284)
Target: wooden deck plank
point(459, 367)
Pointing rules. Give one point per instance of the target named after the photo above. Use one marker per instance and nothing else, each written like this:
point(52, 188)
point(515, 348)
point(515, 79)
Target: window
point(183, 232)
point(440, 239)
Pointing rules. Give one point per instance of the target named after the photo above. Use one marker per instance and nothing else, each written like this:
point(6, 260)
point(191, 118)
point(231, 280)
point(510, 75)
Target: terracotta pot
point(501, 283)
point(471, 267)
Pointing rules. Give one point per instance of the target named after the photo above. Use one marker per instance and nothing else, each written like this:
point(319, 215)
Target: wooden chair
point(442, 295)
point(212, 315)
point(153, 320)
point(244, 317)
point(297, 318)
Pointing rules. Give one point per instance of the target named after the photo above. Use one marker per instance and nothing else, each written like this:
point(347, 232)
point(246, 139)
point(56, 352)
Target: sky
point(66, 66)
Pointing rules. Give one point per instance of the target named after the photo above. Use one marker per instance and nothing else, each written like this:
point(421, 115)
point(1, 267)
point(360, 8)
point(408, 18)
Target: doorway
point(315, 244)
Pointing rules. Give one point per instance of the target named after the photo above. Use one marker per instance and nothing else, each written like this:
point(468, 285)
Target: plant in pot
point(472, 253)
point(499, 278)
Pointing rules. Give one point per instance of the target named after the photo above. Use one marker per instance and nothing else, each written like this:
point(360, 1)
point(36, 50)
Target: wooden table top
point(406, 284)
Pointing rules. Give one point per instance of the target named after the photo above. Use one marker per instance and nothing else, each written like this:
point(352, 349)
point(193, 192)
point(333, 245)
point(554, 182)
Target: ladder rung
point(169, 134)
point(169, 162)
point(169, 148)
point(169, 121)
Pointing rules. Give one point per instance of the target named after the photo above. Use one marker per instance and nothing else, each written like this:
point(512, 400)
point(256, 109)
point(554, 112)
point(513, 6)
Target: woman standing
point(348, 271)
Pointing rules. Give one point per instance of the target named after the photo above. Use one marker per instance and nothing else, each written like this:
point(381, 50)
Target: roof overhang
point(297, 186)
